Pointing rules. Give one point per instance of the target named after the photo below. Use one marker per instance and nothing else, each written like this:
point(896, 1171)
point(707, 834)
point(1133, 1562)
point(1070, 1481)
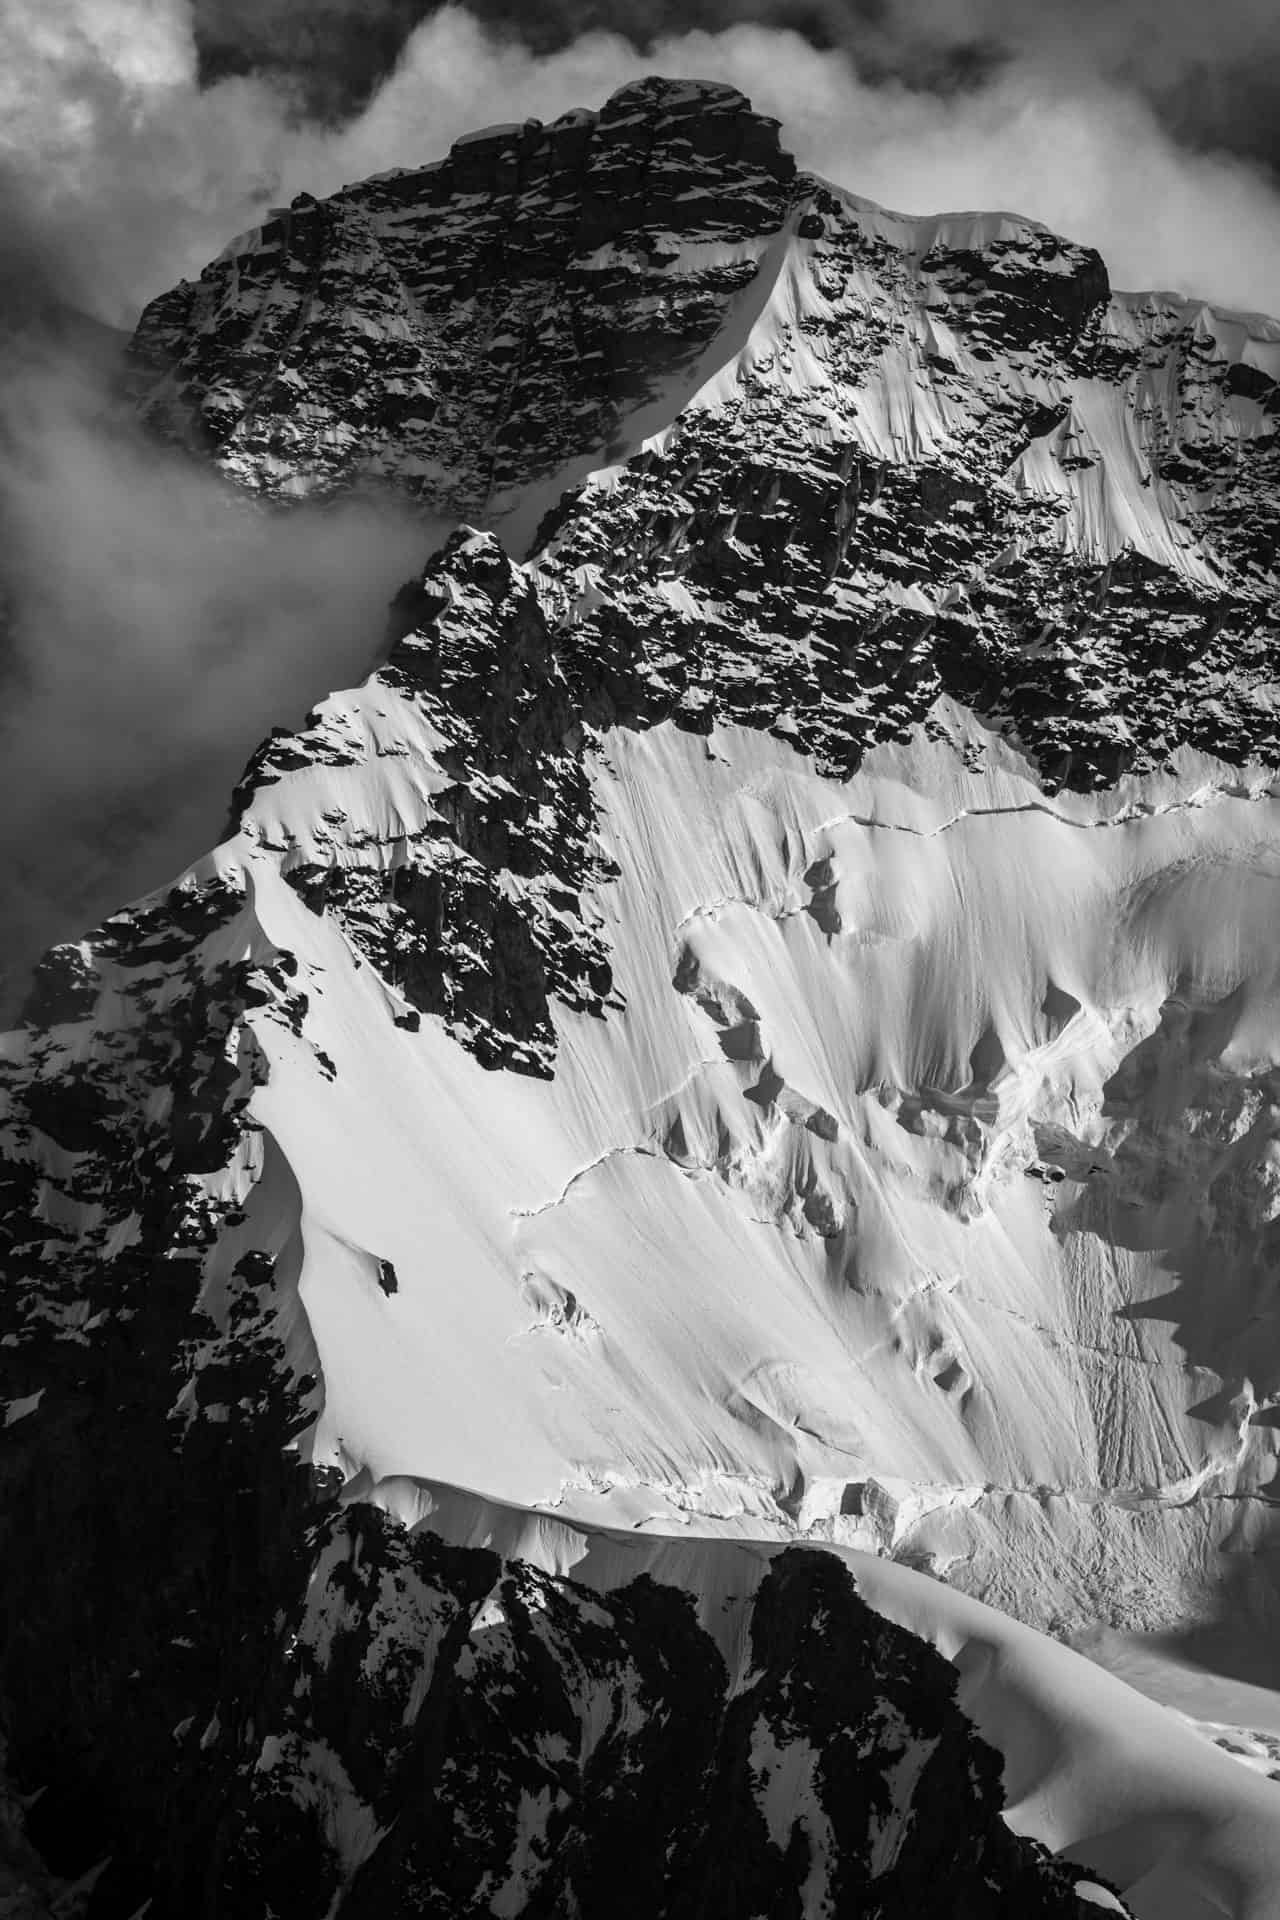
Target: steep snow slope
point(759, 1021)
point(852, 1212)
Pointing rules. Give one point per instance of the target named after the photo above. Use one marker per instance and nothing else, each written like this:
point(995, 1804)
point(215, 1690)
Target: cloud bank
point(1211, 72)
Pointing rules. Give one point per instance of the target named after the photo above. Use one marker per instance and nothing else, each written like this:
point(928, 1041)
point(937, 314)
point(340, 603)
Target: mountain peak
point(451, 329)
point(735, 1072)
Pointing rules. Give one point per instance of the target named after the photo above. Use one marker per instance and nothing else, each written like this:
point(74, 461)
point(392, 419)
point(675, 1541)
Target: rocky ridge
point(458, 328)
point(806, 495)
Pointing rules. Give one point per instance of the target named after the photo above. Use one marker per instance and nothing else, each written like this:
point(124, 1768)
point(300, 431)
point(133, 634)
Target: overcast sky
point(138, 135)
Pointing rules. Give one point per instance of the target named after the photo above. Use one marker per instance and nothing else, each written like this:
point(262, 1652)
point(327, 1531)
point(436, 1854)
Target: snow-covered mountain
point(739, 1072)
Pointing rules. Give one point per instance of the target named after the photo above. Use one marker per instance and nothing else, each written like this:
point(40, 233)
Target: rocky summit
point(692, 1188)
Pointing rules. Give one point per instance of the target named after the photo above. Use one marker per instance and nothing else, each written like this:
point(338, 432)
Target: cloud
point(153, 626)
point(1151, 43)
point(1092, 162)
point(1213, 73)
point(159, 627)
point(133, 177)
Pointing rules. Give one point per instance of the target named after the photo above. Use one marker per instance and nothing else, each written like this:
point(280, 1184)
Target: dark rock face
point(457, 330)
point(591, 1754)
point(799, 558)
point(789, 547)
point(398, 1726)
point(477, 917)
point(515, 302)
point(153, 1547)
point(1017, 296)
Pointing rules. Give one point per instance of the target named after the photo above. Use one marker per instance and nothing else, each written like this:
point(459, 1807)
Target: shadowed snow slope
point(752, 1043)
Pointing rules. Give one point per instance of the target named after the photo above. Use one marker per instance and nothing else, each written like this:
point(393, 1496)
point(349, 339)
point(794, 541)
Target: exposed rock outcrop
point(696, 1042)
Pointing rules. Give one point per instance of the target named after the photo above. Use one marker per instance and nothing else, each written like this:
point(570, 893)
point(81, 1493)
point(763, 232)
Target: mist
point(159, 626)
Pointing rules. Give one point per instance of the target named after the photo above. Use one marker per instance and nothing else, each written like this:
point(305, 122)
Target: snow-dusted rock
point(758, 1024)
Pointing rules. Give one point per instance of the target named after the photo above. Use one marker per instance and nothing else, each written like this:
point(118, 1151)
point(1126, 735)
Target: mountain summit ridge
point(757, 1024)
point(375, 347)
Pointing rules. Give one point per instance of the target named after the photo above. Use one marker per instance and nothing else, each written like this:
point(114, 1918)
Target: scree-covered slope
point(757, 1029)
